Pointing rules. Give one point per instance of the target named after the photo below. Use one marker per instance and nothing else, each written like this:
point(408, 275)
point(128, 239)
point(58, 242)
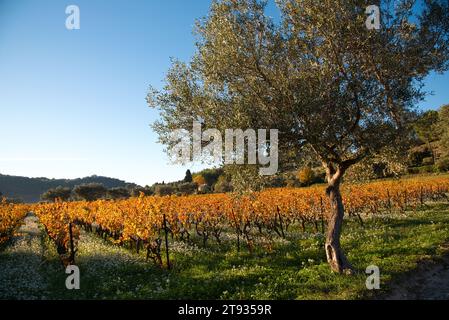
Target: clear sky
point(72, 103)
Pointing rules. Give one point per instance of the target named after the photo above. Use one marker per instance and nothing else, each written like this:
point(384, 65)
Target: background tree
point(320, 77)
point(90, 192)
point(199, 180)
point(426, 128)
point(211, 175)
point(187, 188)
point(147, 191)
point(443, 130)
point(164, 190)
point(60, 193)
point(188, 177)
point(390, 162)
point(443, 143)
point(306, 176)
point(223, 185)
point(118, 193)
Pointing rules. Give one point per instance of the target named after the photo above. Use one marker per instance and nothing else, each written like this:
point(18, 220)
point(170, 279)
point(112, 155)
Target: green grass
point(295, 269)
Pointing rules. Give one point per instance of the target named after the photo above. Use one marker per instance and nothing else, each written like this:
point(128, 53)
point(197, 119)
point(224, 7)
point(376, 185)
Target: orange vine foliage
point(270, 212)
point(10, 217)
point(57, 219)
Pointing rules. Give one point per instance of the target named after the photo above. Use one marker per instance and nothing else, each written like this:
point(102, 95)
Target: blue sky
point(72, 103)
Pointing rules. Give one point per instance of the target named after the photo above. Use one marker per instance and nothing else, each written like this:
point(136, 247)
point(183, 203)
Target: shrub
point(223, 185)
point(57, 193)
point(413, 170)
point(199, 180)
point(320, 176)
point(428, 161)
point(187, 188)
point(427, 169)
point(211, 176)
point(417, 156)
point(164, 190)
point(90, 192)
point(306, 176)
point(118, 193)
point(203, 189)
point(147, 191)
point(276, 182)
point(422, 170)
point(443, 164)
point(292, 182)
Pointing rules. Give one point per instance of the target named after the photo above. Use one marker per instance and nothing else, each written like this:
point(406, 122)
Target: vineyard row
point(147, 222)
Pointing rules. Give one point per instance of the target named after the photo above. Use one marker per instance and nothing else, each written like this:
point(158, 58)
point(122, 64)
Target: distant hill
point(30, 189)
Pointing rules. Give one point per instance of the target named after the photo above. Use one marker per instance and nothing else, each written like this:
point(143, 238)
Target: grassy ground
point(28, 263)
point(295, 269)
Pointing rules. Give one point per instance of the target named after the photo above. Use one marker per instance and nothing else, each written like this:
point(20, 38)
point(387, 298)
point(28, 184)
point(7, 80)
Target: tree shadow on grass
point(26, 276)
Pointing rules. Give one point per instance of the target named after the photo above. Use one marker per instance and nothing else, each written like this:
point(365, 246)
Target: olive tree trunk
point(335, 256)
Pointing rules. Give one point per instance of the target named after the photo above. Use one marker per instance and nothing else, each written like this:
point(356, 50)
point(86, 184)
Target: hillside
point(30, 189)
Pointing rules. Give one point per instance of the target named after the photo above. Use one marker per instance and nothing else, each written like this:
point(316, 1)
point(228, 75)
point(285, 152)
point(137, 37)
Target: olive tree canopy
point(319, 76)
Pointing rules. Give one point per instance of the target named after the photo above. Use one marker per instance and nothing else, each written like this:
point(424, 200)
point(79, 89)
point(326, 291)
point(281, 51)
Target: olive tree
point(58, 193)
point(90, 191)
point(322, 78)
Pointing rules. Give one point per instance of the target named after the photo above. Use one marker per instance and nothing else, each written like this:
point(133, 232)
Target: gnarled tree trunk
point(335, 256)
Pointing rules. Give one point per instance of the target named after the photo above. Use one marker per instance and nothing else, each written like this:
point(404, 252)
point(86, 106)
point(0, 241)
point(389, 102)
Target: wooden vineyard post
point(322, 214)
point(72, 247)
point(405, 200)
point(280, 222)
point(238, 241)
point(237, 229)
point(390, 208)
point(421, 196)
point(166, 243)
